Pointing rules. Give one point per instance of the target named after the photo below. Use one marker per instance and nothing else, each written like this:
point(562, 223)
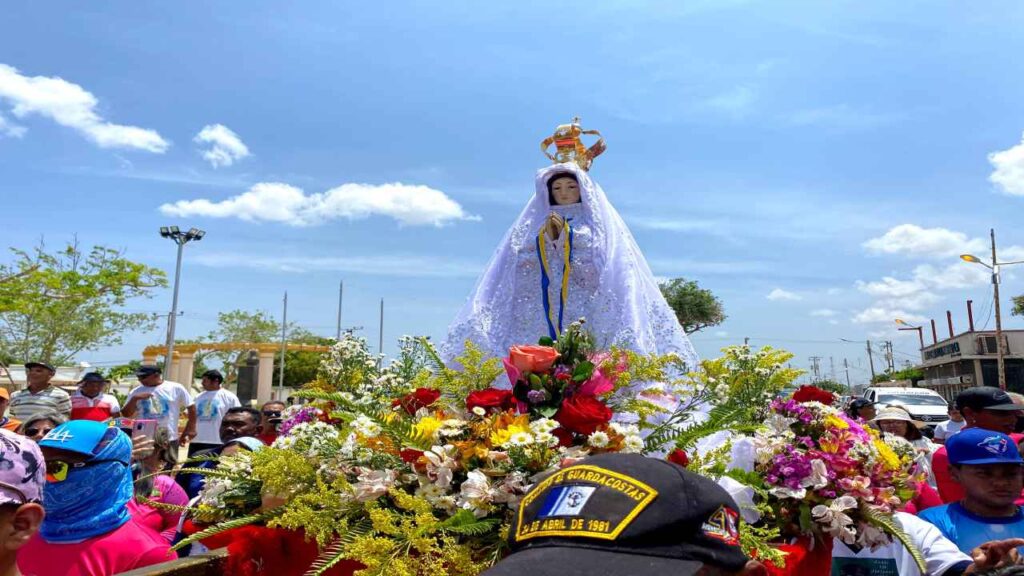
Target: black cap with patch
point(147, 370)
point(985, 398)
point(623, 514)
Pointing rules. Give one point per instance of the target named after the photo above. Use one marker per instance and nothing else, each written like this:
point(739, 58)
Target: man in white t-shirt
point(942, 557)
point(950, 427)
point(161, 400)
point(211, 405)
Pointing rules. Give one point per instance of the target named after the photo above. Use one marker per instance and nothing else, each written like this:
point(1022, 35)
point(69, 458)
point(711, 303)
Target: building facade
point(969, 359)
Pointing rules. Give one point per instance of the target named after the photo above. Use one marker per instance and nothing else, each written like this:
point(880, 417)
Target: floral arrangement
point(818, 472)
point(417, 467)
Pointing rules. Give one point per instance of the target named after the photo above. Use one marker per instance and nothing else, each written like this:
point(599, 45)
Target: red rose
point(813, 394)
point(410, 455)
point(583, 414)
point(421, 398)
point(563, 435)
point(491, 400)
point(679, 456)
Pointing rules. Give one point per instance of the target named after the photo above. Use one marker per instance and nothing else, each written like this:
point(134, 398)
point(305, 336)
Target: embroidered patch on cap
point(994, 444)
point(723, 525)
point(582, 501)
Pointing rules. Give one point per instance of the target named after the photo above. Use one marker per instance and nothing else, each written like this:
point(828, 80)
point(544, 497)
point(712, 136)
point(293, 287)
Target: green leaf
point(223, 527)
point(546, 341)
point(335, 551)
point(584, 370)
point(888, 525)
point(547, 411)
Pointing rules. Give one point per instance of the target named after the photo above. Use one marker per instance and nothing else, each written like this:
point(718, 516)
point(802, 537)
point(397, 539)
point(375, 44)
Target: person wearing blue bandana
point(87, 529)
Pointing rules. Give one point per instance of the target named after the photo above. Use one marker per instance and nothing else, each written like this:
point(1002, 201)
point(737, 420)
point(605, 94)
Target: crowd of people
point(82, 494)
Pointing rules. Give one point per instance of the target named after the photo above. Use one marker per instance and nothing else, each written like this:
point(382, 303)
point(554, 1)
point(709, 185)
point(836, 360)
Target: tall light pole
point(180, 238)
point(920, 331)
point(994, 267)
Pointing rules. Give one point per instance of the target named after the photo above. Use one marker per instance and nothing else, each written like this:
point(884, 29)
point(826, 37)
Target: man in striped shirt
point(40, 395)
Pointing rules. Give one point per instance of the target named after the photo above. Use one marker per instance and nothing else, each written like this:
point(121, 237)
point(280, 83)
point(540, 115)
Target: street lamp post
point(920, 331)
point(180, 238)
point(994, 267)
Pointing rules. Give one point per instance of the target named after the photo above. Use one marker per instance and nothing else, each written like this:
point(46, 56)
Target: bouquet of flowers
point(417, 467)
point(818, 472)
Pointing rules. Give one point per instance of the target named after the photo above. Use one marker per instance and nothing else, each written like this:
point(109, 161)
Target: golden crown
point(569, 147)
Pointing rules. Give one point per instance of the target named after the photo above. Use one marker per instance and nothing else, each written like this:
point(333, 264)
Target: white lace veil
point(625, 309)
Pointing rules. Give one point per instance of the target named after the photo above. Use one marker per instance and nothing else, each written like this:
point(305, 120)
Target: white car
point(923, 404)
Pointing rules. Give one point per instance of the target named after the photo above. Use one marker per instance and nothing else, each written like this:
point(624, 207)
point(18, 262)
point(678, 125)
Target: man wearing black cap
point(90, 402)
point(161, 400)
point(615, 514)
point(211, 406)
point(982, 407)
point(39, 395)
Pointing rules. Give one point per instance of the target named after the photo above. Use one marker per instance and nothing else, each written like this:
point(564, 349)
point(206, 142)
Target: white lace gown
point(610, 283)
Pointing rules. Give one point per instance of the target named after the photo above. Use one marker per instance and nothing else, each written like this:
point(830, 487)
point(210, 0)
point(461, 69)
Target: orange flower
point(534, 359)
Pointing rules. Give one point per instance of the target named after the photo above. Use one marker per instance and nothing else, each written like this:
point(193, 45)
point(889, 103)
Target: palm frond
point(720, 418)
point(161, 505)
point(222, 527)
point(888, 525)
point(335, 551)
point(321, 395)
point(216, 473)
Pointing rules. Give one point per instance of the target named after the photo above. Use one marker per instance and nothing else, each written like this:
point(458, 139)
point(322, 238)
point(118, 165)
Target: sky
point(818, 166)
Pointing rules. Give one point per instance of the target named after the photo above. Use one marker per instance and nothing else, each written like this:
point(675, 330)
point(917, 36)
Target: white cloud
point(7, 128)
point(913, 240)
point(1008, 175)
point(276, 202)
point(400, 265)
point(834, 322)
point(842, 117)
point(780, 294)
point(721, 334)
point(889, 287)
point(737, 102)
point(881, 314)
point(225, 147)
point(823, 313)
point(72, 106)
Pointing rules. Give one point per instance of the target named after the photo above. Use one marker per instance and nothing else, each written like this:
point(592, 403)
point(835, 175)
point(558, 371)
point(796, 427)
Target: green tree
point(913, 374)
point(695, 307)
point(1018, 305)
point(302, 367)
point(54, 305)
point(831, 386)
point(261, 327)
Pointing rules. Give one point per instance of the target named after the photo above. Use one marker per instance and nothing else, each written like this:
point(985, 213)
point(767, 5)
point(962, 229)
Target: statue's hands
point(555, 223)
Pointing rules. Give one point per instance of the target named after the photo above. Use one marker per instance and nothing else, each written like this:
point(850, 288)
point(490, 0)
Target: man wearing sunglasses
point(272, 418)
point(88, 529)
point(21, 491)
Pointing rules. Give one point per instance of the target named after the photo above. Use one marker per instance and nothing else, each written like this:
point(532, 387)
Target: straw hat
point(896, 413)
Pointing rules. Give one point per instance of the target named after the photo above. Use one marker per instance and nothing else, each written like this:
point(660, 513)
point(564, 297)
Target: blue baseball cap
point(974, 446)
point(84, 437)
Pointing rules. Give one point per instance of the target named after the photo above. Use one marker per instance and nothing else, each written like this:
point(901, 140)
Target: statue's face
point(565, 190)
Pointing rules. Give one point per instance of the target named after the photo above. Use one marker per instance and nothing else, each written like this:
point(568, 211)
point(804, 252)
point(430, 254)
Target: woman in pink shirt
point(87, 530)
point(152, 456)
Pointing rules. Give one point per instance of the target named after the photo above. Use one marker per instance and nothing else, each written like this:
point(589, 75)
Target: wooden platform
point(209, 564)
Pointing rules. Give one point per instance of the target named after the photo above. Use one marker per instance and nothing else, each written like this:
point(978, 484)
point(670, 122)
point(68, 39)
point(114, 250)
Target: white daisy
point(598, 439)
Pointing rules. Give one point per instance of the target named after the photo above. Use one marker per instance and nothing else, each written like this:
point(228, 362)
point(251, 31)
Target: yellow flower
point(507, 426)
point(888, 458)
point(427, 427)
point(833, 421)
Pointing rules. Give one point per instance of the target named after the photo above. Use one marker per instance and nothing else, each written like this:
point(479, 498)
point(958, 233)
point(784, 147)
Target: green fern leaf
point(335, 551)
point(223, 527)
point(174, 508)
point(888, 525)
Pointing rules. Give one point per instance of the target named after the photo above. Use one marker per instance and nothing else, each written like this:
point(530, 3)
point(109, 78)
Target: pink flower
point(514, 374)
point(597, 385)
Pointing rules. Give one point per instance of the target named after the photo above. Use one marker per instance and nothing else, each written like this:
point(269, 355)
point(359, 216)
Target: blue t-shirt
point(968, 531)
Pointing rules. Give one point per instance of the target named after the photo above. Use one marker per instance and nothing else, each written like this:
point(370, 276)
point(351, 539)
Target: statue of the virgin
point(568, 256)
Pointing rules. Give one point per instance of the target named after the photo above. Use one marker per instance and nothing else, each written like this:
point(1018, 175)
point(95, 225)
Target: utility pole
point(284, 344)
point(380, 342)
point(832, 363)
point(889, 359)
point(341, 294)
point(816, 368)
point(871, 359)
point(846, 365)
point(999, 320)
